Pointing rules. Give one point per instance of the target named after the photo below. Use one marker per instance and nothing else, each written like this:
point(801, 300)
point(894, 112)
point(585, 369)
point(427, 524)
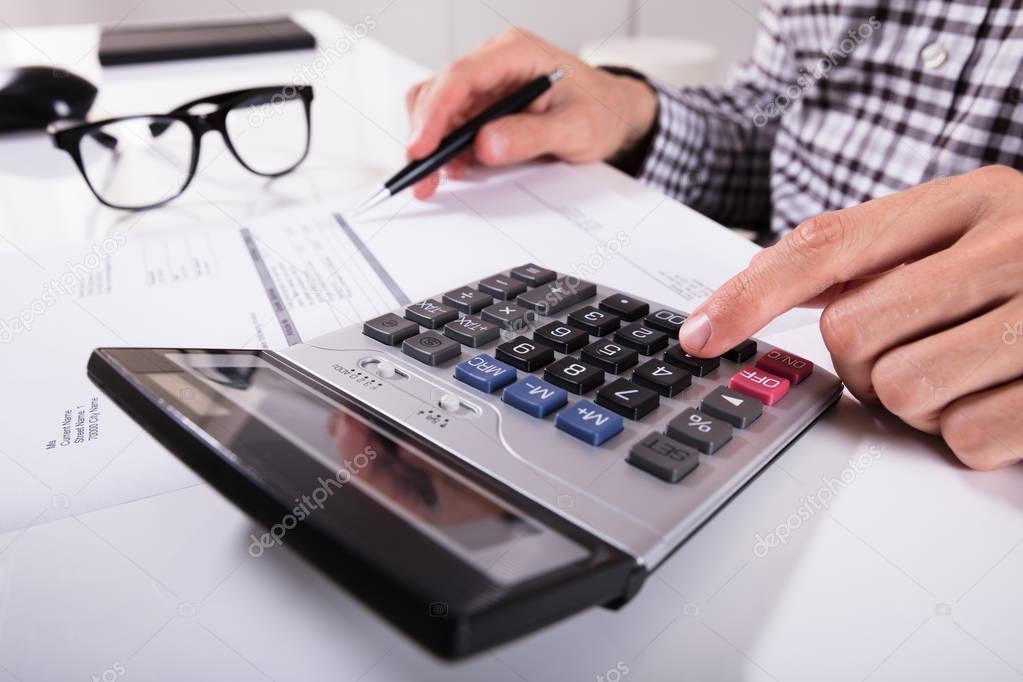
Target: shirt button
point(933, 55)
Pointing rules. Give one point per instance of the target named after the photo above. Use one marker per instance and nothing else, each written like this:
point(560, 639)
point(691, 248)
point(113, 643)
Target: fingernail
point(695, 332)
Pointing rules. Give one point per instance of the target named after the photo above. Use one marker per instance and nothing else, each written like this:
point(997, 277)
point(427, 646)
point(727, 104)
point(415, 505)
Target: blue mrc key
point(535, 397)
point(484, 373)
point(586, 421)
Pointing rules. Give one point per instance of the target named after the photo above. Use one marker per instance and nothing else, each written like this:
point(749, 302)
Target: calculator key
point(502, 287)
point(484, 373)
point(525, 354)
point(738, 409)
point(471, 331)
point(594, 322)
point(700, 431)
point(787, 365)
point(589, 423)
point(561, 337)
point(389, 329)
point(764, 386)
point(741, 353)
point(662, 377)
point(644, 339)
point(574, 375)
point(560, 294)
point(628, 399)
point(533, 275)
point(535, 397)
point(468, 300)
point(610, 355)
point(626, 307)
point(700, 367)
point(508, 316)
point(431, 348)
point(431, 314)
point(666, 320)
point(664, 457)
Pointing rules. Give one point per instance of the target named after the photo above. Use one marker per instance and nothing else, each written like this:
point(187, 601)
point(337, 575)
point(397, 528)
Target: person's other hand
point(923, 296)
point(589, 115)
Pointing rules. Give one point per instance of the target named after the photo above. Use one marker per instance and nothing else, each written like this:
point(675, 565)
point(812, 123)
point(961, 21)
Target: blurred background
point(434, 31)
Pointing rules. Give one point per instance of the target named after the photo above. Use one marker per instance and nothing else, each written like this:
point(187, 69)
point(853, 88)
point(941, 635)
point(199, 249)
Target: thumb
point(520, 137)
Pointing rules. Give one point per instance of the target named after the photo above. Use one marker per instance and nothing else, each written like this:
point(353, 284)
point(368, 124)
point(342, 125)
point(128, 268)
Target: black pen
point(460, 139)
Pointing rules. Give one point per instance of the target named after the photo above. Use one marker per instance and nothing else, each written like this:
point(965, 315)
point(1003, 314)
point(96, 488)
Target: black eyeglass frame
point(69, 138)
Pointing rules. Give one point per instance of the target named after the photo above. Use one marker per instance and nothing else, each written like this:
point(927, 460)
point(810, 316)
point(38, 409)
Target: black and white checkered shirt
point(844, 101)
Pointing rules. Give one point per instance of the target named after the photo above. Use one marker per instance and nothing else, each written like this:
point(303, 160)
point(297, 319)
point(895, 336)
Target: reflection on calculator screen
point(393, 470)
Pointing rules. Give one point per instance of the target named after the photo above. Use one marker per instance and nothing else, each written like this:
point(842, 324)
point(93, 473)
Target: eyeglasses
point(140, 162)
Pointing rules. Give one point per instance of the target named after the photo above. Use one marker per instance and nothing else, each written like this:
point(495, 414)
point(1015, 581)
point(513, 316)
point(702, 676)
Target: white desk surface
point(911, 571)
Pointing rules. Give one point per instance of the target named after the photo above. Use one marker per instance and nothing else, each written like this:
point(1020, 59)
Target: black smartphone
point(163, 42)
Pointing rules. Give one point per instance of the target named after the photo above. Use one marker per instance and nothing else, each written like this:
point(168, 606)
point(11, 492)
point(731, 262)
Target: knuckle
point(995, 176)
point(967, 439)
point(898, 387)
point(840, 328)
point(820, 238)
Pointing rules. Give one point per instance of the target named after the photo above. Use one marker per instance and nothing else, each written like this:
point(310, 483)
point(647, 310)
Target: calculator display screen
point(378, 461)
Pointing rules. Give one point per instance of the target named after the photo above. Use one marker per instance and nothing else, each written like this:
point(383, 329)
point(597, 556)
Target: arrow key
point(737, 409)
point(627, 399)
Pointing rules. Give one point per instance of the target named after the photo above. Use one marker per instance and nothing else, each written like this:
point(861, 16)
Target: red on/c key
point(787, 365)
point(761, 385)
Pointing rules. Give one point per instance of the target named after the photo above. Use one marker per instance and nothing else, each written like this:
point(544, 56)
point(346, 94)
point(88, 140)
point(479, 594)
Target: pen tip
point(376, 198)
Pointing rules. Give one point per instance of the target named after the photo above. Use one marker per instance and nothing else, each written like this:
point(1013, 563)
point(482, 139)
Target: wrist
point(637, 103)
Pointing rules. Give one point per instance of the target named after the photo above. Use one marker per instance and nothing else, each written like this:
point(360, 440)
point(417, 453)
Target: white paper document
point(66, 448)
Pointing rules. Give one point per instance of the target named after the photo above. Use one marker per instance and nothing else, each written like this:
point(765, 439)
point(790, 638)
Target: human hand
point(589, 115)
point(923, 296)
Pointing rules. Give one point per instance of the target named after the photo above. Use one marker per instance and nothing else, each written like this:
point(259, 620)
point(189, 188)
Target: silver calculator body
point(483, 463)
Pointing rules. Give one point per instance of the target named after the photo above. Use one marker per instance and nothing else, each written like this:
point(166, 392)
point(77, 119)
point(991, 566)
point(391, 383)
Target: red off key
point(787, 365)
point(765, 387)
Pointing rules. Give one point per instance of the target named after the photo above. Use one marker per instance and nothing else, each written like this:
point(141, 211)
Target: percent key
point(697, 430)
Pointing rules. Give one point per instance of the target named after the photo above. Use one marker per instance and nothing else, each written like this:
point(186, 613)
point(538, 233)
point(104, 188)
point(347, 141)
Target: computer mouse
point(32, 97)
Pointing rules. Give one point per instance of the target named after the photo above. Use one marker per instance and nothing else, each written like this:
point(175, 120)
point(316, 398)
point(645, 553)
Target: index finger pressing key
point(827, 250)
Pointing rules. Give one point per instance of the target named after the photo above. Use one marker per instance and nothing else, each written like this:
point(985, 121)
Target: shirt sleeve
point(711, 146)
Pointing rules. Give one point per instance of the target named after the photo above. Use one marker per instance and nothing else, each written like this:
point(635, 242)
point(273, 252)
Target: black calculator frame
point(434, 596)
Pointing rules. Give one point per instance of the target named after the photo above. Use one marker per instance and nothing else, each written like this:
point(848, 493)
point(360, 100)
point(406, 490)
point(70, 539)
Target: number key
point(594, 322)
point(666, 320)
point(666, 379)
point(627, 399)
point(525, 354)
point(647, 341)
point(574, 375)
point(611, 356)
point(561, 337)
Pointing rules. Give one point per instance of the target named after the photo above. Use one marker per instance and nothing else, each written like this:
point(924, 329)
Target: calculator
point(484, 462)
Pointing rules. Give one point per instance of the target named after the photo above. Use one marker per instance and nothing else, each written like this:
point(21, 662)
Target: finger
point(424, 189)
point(412, 96)
point(983, 429)
point(457, 167)
point(511, 59)
point(830, 249)
point(520, 137)
point(917, 381)
point(910, 303)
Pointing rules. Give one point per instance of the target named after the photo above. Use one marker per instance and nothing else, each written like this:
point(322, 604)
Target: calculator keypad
point(628, 335)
